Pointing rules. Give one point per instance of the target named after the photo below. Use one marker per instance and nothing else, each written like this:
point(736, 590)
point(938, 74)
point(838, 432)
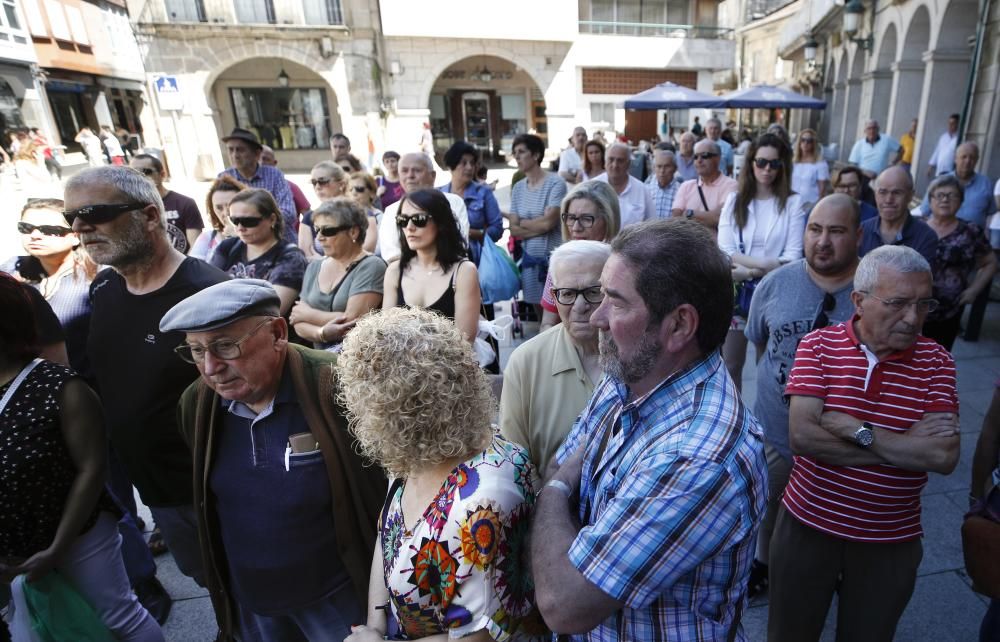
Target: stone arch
point(835, 118)
point(852, 116)
point(908, 72)
point(472, 52)
point(882, 75)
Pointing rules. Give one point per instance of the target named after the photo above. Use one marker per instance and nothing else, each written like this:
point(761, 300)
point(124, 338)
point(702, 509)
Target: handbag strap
point(701, 195)
point(21, 376)
point(742, 247)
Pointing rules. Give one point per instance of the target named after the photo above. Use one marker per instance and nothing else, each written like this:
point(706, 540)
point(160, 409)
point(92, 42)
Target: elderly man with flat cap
point(286, 509)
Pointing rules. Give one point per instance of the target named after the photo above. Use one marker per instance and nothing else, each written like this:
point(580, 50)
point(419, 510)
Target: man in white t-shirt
point(571, 158)
point(942, 160)
point(636, 203)
point(416, 172)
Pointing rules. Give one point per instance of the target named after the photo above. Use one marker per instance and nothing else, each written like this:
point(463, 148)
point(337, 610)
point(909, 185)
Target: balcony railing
point(648, 29)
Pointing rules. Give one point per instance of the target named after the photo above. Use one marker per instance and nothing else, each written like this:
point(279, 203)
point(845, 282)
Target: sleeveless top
point(36, 469)
point(445, 303)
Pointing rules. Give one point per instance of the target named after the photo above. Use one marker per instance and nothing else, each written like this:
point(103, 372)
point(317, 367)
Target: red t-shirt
point(866, 503)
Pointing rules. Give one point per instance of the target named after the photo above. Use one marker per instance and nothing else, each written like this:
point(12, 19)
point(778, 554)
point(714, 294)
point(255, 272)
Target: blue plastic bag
point(498, 276)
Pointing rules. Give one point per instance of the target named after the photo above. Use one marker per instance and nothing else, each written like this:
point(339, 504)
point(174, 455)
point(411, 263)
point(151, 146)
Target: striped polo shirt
point(878, 503)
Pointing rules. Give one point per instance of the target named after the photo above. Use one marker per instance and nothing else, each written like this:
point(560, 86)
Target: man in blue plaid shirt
point(663, 183)
point(646, 530)
point(244, 153)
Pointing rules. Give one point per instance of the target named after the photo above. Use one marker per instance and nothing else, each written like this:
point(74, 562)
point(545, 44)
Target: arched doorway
point(882, 77)
point(295, 118)
point(486, 100)
point(908, 80)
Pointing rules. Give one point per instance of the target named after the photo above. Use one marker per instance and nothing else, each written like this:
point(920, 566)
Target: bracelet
point(322, 334)
point(561, 486)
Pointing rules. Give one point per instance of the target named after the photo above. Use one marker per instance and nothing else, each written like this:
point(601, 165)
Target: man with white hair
point(875, 151)
point(873, 408)
point(663, 184)
point(416, 171)
point(702, 199)
point(686, 169)
point(571, 158)
point(636, 203)
point(713, 132)
point(550, 378)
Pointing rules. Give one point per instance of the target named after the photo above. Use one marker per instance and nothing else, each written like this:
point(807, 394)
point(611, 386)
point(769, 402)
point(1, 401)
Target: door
point(476, 116)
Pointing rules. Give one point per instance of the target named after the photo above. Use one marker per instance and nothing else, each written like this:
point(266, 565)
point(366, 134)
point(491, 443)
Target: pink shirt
point(715, 194)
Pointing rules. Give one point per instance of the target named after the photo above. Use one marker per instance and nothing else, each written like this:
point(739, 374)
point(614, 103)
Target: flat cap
point(222, 304)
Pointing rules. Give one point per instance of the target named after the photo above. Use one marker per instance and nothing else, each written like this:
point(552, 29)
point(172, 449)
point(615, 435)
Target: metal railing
point(648, 29)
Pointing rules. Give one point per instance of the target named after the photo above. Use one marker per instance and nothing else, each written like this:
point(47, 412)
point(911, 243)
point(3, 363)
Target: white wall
point(511, 20)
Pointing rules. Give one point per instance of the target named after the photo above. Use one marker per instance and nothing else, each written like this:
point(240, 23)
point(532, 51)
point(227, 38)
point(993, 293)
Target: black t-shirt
point(182, 215)
point(141, 379)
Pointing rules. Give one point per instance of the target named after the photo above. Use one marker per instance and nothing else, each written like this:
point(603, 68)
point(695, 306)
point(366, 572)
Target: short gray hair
point(574, 252)
point(130, 182)
point(897, 257)
point(345, 212)
point(666, 153)
point(713, 121)
point(947, 180)
point(711, 144)
point(423, 157)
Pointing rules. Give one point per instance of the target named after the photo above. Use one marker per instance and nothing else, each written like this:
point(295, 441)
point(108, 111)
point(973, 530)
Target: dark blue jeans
point(989, 631)
point(139, 564)
point(328, 620)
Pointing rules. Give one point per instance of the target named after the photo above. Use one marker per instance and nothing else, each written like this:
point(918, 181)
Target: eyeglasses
point(320, 181)
point(568, 296)
point(922, 305)
point(808, 140)
point(246, 221)
point(331, 230)
point(97, 214)
point(358, 189)
point(944, 196)
point(47, 230)
point(774, 163)
point(420, 220)
point(223, 348)
point(828, 304)
point(586, 221)
point(146, 171)
point(705, 155)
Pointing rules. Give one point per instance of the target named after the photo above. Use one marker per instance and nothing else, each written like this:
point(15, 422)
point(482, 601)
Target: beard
point(647, 353)
point(131, 247)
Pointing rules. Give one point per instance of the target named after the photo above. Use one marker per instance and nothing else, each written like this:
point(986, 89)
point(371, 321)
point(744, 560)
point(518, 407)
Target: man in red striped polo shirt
point(873, 408)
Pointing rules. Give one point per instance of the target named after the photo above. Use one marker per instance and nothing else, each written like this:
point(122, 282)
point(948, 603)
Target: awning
point(770, 97)
point(121, 83)
point(66, 86)
point(671, 96)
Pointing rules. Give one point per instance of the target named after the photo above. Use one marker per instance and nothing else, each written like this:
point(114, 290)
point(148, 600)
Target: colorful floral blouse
point(954, 261)
point(463, 566)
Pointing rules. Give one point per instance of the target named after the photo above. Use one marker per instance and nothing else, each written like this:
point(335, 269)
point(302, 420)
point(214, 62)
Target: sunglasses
point(359, 189)
point(808, 140)
point(331, 230)
point(774, 164)
point(419, 220)
point(705, 155)
point(822, 319)
point(320, 181)
point(97, 214)
point(246, 221)
point(47, 230)
point(146, 171)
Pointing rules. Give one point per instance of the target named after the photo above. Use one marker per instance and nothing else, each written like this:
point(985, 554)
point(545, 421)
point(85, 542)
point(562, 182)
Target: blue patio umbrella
point(769, 97)
point(671, 96)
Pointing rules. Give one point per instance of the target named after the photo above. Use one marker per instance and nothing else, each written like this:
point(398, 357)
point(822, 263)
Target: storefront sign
point(168, 93)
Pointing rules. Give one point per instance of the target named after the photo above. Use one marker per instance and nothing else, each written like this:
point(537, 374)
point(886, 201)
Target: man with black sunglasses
point(119, 218)
point(702, 199)
point(791, 301)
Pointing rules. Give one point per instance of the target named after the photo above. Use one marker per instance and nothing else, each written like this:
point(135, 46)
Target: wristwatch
point(864, 436)
point(561, 486)
point(688, 213)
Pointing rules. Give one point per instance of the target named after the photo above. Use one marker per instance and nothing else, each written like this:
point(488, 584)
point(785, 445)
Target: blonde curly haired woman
point(450, 558)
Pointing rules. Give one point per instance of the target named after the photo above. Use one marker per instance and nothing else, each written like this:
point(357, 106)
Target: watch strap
point(561, 486)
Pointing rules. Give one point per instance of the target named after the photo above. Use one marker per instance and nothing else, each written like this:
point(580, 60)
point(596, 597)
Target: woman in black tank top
point(433, 270)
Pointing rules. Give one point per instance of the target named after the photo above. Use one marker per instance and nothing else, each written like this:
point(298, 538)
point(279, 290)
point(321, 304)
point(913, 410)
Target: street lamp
point(810, 47)
point(853, 11)
point(485, 76)
point(283, 78)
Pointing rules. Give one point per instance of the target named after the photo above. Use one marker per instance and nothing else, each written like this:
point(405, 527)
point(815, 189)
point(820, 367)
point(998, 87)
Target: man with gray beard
point(649, 522)
point(120, 220)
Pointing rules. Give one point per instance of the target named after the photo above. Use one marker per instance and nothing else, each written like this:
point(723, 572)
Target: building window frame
point(284, 117)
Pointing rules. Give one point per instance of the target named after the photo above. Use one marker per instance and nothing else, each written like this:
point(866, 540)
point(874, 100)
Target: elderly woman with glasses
point(57, 267)
point(433, 270)
point(590, 212)
point(346, 284)
point(258, 251)
point(549, 378)
point(450, 559)
point(760, 228)
point(810, 172)
point(485, 219)
point(329, 181)
point(962, 250)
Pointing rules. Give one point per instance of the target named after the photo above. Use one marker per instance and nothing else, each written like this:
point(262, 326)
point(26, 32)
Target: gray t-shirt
point(366, 276)
point(783, 309)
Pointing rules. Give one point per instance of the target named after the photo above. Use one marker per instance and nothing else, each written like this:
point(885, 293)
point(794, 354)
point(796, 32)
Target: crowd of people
point(294, 393)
